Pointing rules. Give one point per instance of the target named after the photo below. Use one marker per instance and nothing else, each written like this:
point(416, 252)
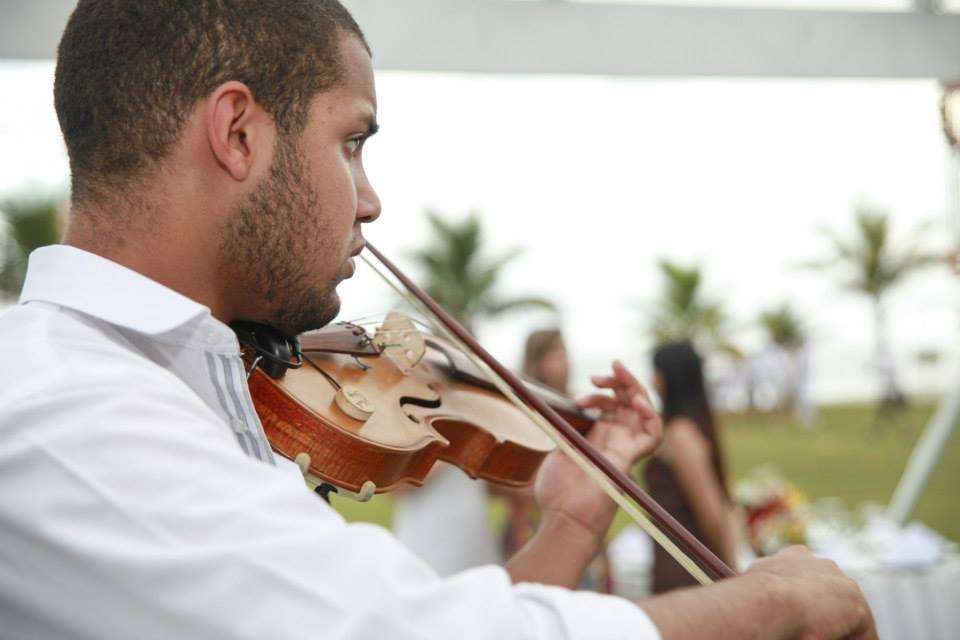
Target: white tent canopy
point(509, 36)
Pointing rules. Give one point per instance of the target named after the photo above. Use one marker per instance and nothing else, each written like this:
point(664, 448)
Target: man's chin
point(308, 317)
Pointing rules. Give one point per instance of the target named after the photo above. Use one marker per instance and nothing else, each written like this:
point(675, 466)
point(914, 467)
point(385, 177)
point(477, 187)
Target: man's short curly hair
point(129, 72)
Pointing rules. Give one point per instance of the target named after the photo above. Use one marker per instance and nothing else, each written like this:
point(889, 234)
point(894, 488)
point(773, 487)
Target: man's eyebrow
point(372, 126)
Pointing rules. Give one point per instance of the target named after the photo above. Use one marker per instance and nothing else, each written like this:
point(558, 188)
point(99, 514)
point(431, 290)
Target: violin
point(368, 413)
point(390, 404)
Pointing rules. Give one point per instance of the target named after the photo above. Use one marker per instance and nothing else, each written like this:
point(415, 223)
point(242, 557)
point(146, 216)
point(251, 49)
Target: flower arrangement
point(776, 512)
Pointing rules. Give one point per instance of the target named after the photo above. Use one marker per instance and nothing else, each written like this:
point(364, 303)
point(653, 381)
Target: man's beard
point(271, 240)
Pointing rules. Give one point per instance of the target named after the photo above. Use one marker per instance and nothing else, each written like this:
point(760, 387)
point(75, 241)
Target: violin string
point(578, 458)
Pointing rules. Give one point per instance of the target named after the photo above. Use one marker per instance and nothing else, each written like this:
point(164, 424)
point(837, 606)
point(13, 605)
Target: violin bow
point(617, 484)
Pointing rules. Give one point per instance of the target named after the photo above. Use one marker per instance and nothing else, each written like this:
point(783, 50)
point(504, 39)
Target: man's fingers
point(599, 401)
point(641, 405)
point(623, 383)
point(608, 404)
point(597, 436)
point(628, 380)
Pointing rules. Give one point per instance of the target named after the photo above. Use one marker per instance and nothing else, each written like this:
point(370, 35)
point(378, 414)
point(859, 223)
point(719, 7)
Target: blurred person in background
point(687, 475)
point(804, 405)
point(446, 521)
point(892, 400)
point(545, 360)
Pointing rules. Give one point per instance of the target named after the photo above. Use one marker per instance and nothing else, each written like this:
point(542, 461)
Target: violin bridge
point(400, 340)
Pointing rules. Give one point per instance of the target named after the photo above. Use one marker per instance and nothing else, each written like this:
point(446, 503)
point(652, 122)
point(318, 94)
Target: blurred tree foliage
point(869, 263)
point(29, 220)
point(783, 326)
point(682, 312)
point(461, 278)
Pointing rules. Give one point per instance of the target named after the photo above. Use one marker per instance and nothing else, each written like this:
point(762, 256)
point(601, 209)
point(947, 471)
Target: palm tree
point(460, 278)
point(29, 221)
point(682, 313)
point(785, 330)
point(783, 326)
point(872, 266)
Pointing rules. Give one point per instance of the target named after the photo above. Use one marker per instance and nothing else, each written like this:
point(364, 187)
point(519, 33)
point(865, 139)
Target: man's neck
point(178, 257)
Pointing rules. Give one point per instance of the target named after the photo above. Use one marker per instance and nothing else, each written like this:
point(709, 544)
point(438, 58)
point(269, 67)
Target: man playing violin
point(216, 157)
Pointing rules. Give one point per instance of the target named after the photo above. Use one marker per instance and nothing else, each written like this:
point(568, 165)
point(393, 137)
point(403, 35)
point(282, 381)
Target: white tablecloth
point(914, 604)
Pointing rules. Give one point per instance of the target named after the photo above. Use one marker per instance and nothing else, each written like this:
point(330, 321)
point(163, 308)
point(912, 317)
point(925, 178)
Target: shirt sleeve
point(127, 510)
point(561, 613)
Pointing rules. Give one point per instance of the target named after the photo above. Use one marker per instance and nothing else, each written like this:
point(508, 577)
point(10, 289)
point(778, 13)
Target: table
point(914, 604)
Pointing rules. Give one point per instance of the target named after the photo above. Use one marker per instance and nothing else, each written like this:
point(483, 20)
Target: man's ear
point(239, 131)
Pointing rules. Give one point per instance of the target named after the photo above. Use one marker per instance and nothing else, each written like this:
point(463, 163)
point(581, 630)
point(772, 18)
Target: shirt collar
point(88, 283)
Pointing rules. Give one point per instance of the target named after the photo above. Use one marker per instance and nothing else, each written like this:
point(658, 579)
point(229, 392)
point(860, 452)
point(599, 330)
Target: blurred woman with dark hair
point(687, 475)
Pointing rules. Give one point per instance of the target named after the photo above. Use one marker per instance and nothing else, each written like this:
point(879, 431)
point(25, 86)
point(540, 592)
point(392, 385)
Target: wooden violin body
point(365, 421)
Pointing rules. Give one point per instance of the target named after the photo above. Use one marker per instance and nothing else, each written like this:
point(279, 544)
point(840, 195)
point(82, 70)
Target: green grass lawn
point(843, 457)
point(847, 458)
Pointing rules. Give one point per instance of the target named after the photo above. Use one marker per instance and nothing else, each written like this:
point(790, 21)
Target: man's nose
point(368, 203)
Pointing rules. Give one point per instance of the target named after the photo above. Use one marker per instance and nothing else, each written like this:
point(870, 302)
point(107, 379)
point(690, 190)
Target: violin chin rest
point(275, 349)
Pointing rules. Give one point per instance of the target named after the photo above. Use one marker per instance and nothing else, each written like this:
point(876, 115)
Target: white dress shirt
point(138, 498)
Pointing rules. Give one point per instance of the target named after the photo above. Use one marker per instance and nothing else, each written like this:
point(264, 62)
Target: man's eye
point(354, 145)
